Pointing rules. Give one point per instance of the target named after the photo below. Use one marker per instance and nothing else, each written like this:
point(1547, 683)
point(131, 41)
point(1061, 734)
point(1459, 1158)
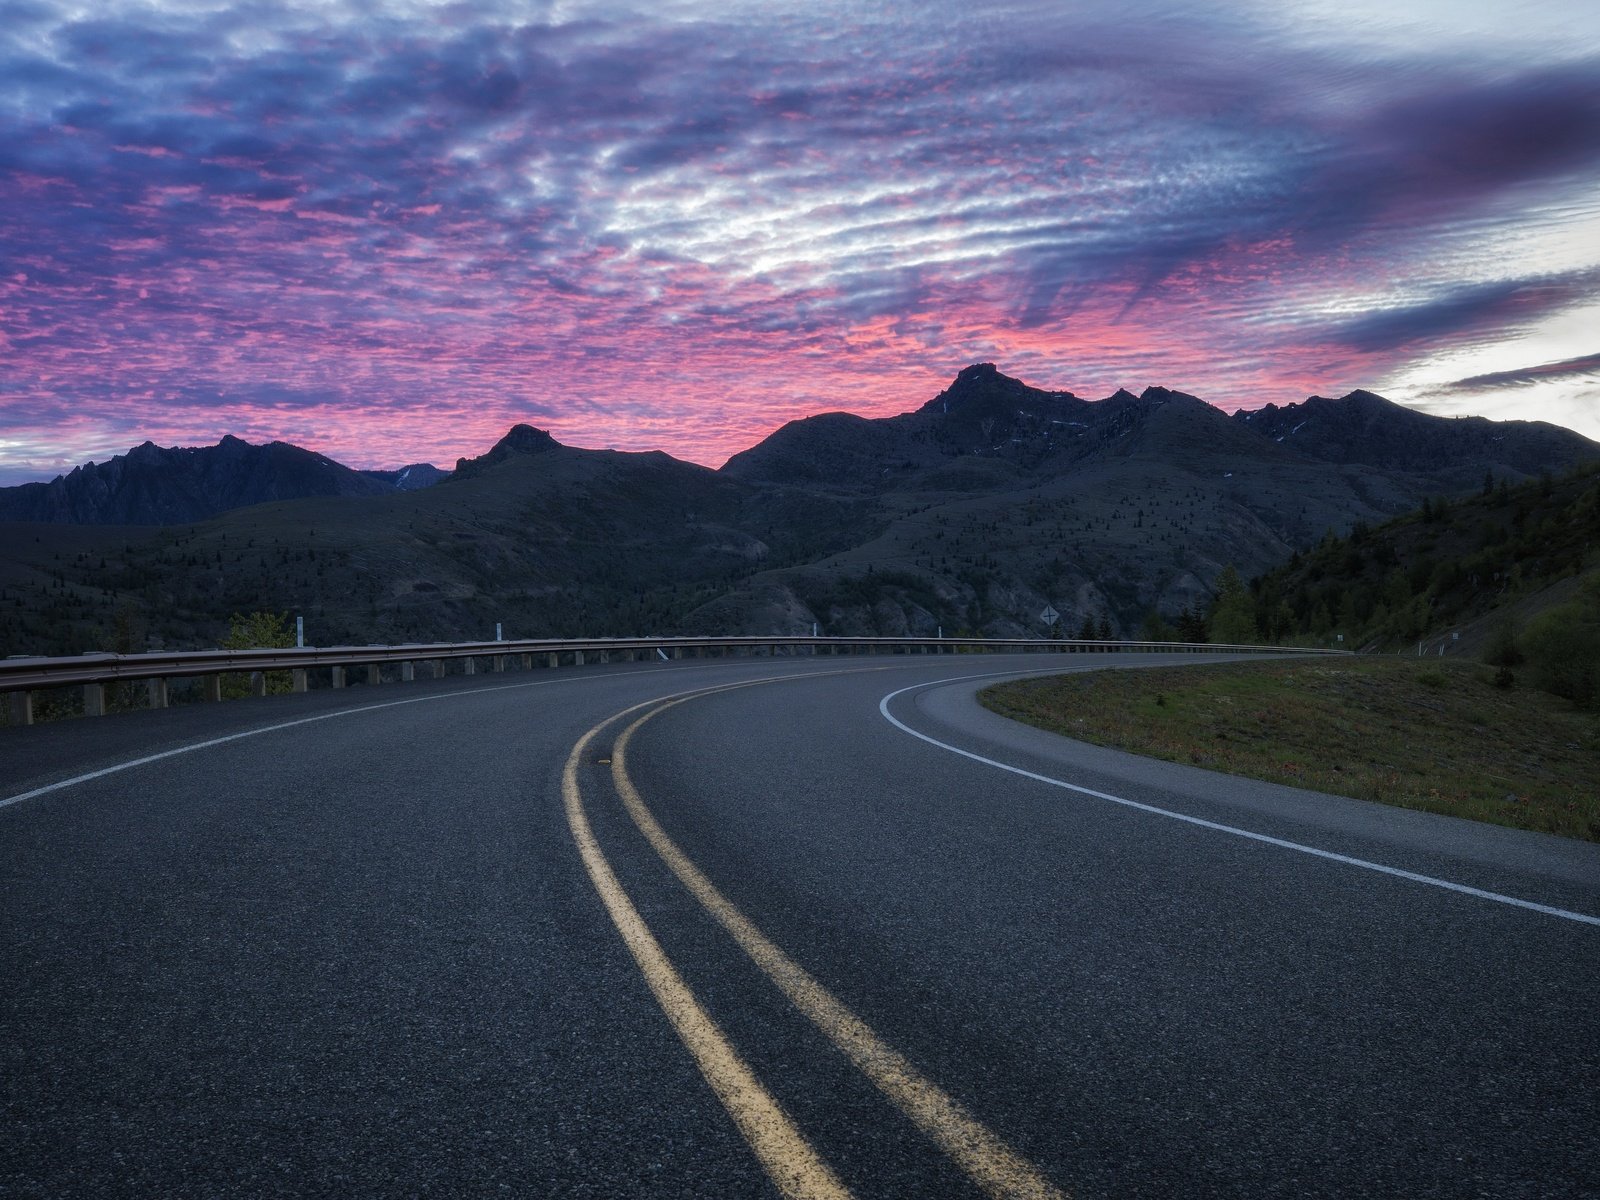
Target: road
point(760, 927)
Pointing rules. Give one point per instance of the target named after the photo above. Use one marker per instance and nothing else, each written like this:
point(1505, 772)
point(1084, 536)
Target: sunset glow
point(388, 232)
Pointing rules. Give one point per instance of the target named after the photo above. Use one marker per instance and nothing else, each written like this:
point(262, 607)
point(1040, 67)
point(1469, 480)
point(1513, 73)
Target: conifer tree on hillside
point(1233, 619)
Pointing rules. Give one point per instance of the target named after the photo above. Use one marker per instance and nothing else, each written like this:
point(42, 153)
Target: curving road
point(815, 927)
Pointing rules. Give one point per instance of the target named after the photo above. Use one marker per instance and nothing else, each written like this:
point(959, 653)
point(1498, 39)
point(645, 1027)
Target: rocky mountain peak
point(1162, 395)
point(525, 439)
point(520, 439)
point(982, 390)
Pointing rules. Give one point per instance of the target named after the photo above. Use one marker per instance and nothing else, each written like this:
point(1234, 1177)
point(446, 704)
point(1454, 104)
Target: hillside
point(1453, 572)
point(972, 513)
point(545, 539)
point(998, 499)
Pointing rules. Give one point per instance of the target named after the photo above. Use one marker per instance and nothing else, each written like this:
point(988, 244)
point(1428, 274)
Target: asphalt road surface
point(757, 927)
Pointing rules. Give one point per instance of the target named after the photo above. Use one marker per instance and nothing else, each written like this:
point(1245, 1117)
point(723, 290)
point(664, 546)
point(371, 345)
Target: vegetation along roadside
point(1428, 734)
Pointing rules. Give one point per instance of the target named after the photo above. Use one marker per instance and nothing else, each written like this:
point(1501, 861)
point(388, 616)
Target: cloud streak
point(1585, 368)
point(390, 232)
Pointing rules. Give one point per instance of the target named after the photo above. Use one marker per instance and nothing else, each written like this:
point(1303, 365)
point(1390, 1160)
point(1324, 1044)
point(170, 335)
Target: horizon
point(369, 229)
point(451, 464)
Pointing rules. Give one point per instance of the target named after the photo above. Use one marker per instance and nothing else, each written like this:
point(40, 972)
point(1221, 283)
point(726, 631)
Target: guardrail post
point(577, 658)
point(527, 662)
point(438, 668)
point(21, 704)
point(211, 688)
point(374, 673)
point(555, 660)
point(94, 699)
point(156, 692)
point(408, 671)
point(499, 664)
point(469, 666)
point(258, 683)
point(300, 682)
point(338, 677)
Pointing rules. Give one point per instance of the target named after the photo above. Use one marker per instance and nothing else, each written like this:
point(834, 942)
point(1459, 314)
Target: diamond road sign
point(1049, 616)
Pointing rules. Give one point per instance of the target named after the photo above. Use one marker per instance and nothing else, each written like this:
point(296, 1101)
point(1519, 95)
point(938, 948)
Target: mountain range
point(155, 485)
point(974, 512)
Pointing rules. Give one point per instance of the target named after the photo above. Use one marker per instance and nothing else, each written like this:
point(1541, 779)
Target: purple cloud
point(396, 232)
point(1463, 311)
point(1585, 368)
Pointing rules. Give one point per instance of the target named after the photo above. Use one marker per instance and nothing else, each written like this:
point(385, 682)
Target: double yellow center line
point(794, 1166)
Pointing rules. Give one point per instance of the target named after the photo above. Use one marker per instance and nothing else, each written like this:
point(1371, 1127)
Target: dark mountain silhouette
point(410, 478)
point(1365, 428)
point(519, 439)
point(987, 415)
point(982, 414)
point(546, 539)
point(995, 498)
point(971, 513)
point(155, 485)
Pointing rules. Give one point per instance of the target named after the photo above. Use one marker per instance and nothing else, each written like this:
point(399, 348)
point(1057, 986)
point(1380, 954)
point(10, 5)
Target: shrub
point(1562, 648)
point(1503, 650)
point(258, 630)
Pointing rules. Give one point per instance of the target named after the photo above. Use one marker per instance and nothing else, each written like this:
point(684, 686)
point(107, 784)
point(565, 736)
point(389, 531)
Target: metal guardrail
point(30, 673)
point(21, 676)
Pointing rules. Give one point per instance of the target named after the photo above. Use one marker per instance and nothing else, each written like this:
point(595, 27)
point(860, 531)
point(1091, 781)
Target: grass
point(1437, 736)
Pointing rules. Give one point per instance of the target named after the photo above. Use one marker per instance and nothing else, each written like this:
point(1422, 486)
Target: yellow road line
point(788, 1158)
point(994, 1166)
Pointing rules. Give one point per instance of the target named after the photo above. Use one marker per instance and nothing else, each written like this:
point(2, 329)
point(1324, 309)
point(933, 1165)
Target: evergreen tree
point(1233, 618)
point(1191, 626)
point(1155, 629)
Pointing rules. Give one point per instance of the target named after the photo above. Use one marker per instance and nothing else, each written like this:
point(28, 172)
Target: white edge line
point(343, 712)
point(1413, 876)
point(87, 776)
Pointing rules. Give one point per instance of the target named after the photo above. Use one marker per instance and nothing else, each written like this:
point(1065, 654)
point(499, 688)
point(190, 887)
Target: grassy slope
point(1464, 566)
point(1429, 734)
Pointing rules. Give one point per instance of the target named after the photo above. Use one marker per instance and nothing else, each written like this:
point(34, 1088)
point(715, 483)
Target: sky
point(389, 231)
